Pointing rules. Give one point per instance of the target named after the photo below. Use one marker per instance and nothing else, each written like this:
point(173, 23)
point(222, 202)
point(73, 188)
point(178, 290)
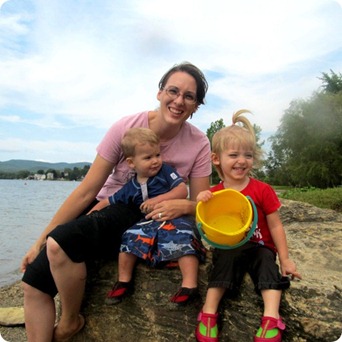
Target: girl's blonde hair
point(240, 134)
point(137, 136)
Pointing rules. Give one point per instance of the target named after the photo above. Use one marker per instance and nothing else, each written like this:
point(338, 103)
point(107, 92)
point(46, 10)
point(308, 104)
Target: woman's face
point(178, 98)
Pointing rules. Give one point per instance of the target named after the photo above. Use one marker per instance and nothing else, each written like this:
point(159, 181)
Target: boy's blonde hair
point(137, 136)
point(235, 136)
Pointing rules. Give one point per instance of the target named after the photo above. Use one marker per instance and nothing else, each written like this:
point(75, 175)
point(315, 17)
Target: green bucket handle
point(249, 235)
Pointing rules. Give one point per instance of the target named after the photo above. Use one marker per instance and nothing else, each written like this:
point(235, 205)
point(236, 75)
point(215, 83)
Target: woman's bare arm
point(75, 204)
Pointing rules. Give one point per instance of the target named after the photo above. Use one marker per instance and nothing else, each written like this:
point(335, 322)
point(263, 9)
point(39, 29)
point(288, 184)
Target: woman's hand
point(170, 209)
point(147, 206)
point(30, 256)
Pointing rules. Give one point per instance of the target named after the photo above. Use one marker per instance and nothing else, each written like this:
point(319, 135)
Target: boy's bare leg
point(126, 266)
point(188, 265)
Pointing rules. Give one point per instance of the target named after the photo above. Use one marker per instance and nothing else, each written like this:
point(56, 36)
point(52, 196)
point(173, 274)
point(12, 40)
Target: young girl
point(234, 153)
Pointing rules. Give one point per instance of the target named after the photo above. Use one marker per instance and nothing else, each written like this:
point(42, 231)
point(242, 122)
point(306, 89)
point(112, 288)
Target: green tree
point(23, 174)
point(85, 170)
point(66, 174)
point(54, 172)
point(214, 127)
point(307, 147)
point(7, 175)
point(259, 173)
point(75, 174)
point(331, 83)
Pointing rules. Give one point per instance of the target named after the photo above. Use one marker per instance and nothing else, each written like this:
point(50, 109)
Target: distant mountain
point(16, 165)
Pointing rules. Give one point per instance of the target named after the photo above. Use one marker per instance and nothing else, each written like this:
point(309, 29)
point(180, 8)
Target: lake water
point(26, 207)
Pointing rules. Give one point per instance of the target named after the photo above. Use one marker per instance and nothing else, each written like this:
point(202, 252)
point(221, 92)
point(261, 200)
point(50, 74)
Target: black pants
point(230, 266)
point(86, 238)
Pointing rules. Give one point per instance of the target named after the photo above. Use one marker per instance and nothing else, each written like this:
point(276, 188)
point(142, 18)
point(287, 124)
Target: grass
point(322, 198)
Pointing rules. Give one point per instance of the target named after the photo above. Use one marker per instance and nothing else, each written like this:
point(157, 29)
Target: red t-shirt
point(266, 202)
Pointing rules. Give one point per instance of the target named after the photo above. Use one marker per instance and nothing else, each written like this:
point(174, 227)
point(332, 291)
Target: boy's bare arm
point(178, 192)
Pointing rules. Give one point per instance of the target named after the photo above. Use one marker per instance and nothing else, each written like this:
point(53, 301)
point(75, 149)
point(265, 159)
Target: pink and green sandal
point(270, 330)
point(207, 330)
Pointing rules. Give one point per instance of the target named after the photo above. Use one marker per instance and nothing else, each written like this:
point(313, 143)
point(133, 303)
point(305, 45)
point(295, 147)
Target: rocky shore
point(311, 308)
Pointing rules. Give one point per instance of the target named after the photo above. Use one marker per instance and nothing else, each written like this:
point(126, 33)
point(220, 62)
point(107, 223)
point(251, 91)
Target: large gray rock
point(311, 308)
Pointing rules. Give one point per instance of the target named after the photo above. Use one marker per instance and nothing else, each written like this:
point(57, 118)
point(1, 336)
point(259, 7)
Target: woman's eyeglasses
point(173, 92)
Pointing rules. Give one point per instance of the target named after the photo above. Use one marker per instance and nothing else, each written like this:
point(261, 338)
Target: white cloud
point(89, 63)
point(48, 150)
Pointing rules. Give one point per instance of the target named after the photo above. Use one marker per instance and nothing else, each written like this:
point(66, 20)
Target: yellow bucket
point(225, 221)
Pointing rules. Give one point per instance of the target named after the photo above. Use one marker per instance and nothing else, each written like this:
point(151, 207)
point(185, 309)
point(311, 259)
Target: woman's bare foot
point(61, 334)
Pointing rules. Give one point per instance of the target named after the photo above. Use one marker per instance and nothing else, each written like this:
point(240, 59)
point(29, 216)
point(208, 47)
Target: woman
point(60, 266)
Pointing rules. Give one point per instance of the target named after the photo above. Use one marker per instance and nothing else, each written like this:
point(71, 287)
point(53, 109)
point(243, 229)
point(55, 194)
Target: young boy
point(154, 241)
point(234, 153)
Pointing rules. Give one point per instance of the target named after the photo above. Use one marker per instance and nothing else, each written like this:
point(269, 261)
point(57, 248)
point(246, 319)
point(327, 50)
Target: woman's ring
point(160, 215)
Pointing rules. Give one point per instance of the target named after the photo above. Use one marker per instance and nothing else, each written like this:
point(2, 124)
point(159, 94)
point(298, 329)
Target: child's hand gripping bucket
point(225, 221)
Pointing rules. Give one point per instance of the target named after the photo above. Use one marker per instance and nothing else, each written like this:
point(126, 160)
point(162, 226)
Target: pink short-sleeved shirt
point(188, 152)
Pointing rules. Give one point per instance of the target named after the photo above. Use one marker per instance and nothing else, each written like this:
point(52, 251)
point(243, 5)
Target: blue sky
point(69, 69)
